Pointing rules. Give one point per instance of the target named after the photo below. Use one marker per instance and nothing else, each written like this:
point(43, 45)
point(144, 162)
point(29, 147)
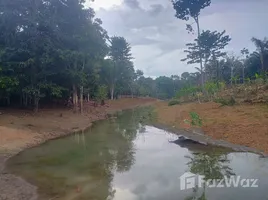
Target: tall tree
point(186, 9)
point(208, 46)
point(245, 54)
point(49, 48)
point(262, 47)
point(122, 69)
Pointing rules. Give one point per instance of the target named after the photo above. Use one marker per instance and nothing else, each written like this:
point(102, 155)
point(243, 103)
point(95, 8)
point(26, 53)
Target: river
point(126, 158)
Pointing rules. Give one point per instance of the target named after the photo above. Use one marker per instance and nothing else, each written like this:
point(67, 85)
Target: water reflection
point(210, 165)
point(213, 166)
point(124, 159)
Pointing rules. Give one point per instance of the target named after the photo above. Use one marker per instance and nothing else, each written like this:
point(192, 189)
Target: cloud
point(158, 38)
point(134, 4)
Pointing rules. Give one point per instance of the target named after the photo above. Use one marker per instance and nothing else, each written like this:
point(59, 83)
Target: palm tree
point(262, 47)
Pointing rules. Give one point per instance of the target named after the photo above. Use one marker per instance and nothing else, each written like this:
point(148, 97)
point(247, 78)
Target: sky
point(158, 38)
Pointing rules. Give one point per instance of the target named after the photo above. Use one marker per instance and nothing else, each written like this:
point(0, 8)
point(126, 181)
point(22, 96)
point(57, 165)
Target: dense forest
point(57, 52)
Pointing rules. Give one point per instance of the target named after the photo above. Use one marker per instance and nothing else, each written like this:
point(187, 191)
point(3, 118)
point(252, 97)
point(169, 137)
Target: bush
point(188, 93)
point(226, 102)
point(195, 119)
point(174, 102)
point(101, 95)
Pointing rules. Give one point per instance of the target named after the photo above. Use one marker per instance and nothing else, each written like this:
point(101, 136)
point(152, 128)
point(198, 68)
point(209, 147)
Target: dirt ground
point(241, 124)
point(21, 129)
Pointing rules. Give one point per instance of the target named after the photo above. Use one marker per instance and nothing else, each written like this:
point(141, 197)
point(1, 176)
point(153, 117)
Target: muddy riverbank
point(243, 128)
point(125, 157)
point(20, 130)
point(243, 125)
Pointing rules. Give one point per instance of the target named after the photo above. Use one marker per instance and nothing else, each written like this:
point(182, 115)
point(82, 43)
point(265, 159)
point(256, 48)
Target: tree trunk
point(112, 92)
point(8, 101)
point(131, 91)
point(21, 100)
point(262, 61)
point(243, 73)
point(218, 77)
point(200, 55)
point(36, 104)
point(75, 98)
point(24, 99)
point(232, 74)
point(87, 97)
point(81, 99)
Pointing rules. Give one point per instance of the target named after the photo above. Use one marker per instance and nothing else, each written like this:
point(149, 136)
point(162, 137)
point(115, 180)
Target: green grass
point(174, 102)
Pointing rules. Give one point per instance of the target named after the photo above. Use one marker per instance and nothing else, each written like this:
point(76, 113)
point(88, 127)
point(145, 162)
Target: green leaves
point(189, 8)
point(8, 83)
point(121, 69)
point(208, 45)
point(195, 119)
point(47, 47)
point(102, 93)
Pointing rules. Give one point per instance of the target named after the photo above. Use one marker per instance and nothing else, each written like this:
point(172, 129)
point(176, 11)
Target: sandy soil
point(245, 125)
point(22, 129)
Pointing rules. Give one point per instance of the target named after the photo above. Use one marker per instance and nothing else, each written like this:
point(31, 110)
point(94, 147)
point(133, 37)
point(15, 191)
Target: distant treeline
point(57, 51)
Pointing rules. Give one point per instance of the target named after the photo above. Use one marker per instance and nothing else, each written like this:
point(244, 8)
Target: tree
point(49, 49)
point(122, 71)
point(262, 47)
point(165, 87)
point(208, 46)
point(245, 54)
point(191, 8)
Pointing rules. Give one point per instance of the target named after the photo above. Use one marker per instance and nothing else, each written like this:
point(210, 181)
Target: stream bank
point(20, 130)
point(244, 125)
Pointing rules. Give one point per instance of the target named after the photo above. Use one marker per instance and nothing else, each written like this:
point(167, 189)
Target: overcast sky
point(158, 38)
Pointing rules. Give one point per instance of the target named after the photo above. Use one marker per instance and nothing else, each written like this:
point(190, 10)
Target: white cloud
point(158, 38)
point(105, 4)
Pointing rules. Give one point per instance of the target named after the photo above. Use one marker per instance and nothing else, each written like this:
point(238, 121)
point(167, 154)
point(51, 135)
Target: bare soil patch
point(243, 124)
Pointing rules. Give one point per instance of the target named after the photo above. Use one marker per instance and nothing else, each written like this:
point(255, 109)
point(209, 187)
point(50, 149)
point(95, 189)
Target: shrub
point(226, 102)
point(173, 102)
point(101, 95)
point(211, 88)
point(195, 119)
point(189, 93)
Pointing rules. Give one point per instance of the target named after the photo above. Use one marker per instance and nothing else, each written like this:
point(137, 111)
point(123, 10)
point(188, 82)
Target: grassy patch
point(226, 101)
point(195, 119)
point(174, 102)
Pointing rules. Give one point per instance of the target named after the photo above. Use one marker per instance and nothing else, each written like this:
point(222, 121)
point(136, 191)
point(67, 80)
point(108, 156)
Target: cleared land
point(240, 124)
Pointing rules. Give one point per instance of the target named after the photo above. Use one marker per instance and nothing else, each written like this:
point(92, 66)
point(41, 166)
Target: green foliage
point(262, 48)
point(63, 53)
point(60, 50)
point(102, 93)
point(211, 88)
point(121, 73)
point(174, 102)
point(195, 119)
point(226, 102)
point(186, 9)
point(186, 91)
point(208, 45)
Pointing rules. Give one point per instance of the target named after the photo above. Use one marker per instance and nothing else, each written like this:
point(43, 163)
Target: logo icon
point(188, 181)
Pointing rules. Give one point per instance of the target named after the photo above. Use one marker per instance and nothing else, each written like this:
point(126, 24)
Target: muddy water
point(125, 159)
